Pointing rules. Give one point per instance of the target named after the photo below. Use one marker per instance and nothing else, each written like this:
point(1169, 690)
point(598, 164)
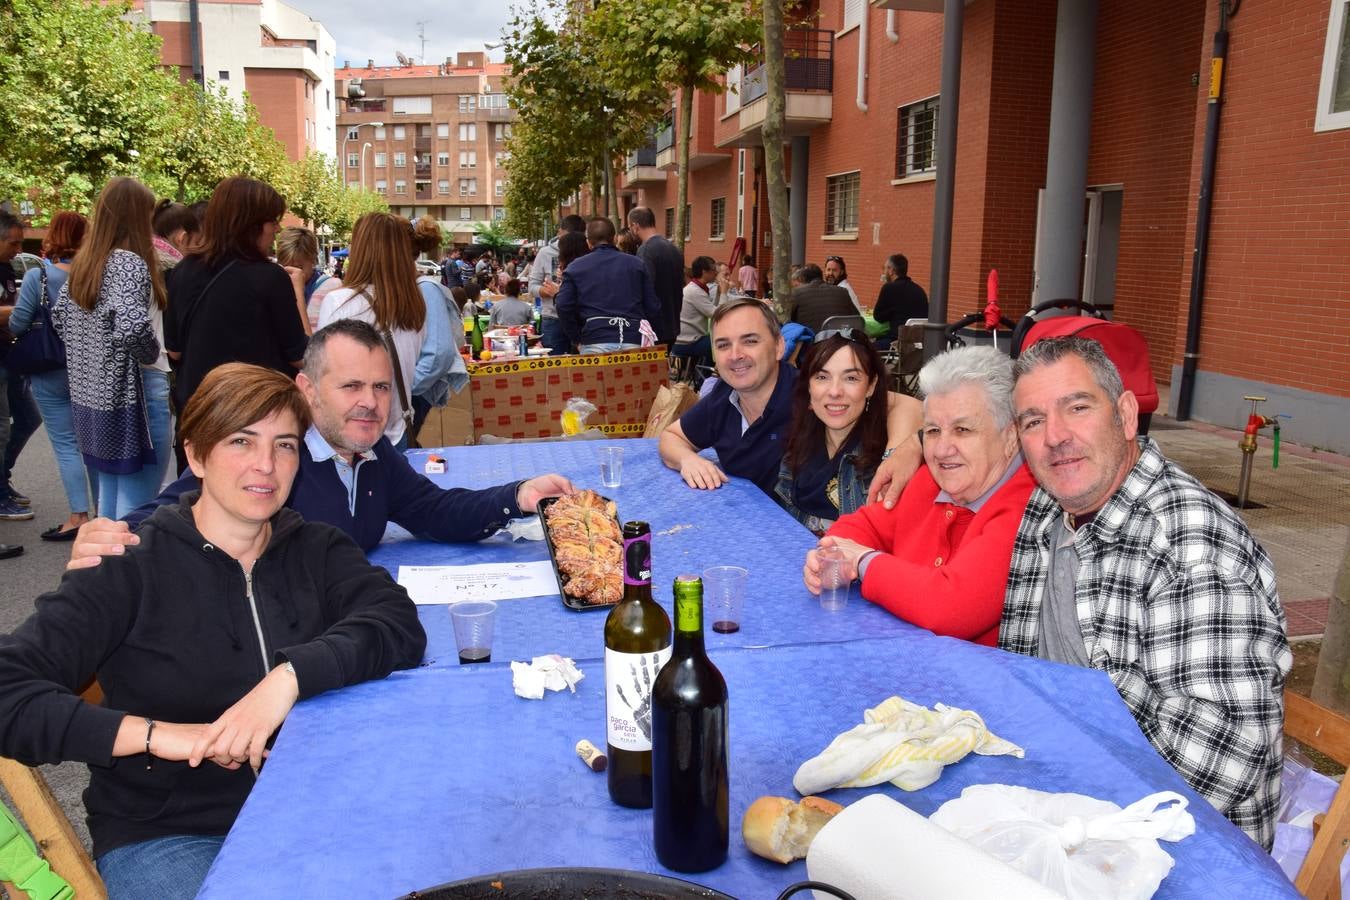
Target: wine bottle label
point(637, 560)
point(628, 697)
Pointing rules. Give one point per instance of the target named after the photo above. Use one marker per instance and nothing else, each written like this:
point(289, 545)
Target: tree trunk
point(775, 112)
point(611, 208)
point(1331, 685)
point(682, 191)
point(595, 190)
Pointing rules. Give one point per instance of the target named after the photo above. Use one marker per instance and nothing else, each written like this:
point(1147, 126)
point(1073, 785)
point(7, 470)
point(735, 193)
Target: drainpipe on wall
point(195, 40)
point(862, 58)
point(891, 34)
point(1200, 254)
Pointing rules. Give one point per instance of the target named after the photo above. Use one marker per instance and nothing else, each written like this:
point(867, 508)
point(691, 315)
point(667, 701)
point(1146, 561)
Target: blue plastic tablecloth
point(442, 773)
point(691, 530)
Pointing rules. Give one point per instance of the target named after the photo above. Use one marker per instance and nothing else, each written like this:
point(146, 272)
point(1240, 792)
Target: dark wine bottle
point(689, 746)
point(637, 644)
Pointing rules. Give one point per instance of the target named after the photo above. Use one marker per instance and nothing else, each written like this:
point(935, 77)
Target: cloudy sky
point(376, 30)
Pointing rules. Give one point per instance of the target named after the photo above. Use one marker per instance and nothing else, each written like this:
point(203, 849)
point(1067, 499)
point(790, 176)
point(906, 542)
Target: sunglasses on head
point(847, 333)
point(838, 259)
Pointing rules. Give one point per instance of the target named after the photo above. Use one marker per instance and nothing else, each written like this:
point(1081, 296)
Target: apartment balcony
point(422, 144)
point(422, 170)
point(641, 169)
point(665, 144)
point(424, 195)
point(496, 114)
point(808, 78)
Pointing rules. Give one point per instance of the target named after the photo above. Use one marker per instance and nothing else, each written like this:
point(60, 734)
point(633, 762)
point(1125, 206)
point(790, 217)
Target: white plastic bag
point(1304, 793)
point(1080, 847)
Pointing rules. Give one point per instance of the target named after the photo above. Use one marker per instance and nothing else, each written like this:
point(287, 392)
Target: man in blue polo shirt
point(747, 416)
point(350, 476)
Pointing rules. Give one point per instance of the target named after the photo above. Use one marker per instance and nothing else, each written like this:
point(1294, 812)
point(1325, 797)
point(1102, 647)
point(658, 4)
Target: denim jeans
point(120, 494)
point(52, 393)
point(553, 337)
point(608, 348)
point(166, 868)
point(24, 411)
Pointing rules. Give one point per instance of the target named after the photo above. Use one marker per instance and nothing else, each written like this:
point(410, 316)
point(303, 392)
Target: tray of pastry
point(586, 546)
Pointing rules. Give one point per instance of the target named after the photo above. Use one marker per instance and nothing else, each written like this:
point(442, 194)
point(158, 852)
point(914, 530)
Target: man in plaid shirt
point(1125, 563)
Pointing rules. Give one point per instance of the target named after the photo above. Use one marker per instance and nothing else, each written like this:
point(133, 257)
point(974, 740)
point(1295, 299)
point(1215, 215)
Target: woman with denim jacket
point(838, 430)
point(939, 558)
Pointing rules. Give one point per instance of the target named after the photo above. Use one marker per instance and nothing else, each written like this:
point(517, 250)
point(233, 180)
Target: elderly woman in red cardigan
point(939, 559)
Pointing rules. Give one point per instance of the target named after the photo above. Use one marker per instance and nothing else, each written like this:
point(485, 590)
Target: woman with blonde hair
point(51, 389)
point(381, 288)
point(298, 254)
point(440, 369)
point(119, 379)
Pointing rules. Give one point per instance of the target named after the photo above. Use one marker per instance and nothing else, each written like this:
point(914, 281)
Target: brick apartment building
point(280, 56)
point(430, 138)
point(1276, 305)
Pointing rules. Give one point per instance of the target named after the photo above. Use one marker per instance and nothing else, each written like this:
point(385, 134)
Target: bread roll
point(778, 829)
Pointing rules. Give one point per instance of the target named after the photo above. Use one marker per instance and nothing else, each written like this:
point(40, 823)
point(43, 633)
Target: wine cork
point(591, 756)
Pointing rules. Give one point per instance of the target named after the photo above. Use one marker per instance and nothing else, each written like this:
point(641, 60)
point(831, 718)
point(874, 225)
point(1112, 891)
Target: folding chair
point(904, 358)
point(1126, 346)
point(51, 831)
point(1326, 732)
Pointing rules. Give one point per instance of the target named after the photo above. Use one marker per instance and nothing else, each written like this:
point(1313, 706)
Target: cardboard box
point(524, 398)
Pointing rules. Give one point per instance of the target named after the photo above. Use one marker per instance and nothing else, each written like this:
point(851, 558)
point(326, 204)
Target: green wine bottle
point(637, 644)
point(689, 746)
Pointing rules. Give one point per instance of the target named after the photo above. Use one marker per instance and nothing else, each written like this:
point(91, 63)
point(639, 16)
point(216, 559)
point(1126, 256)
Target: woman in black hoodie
point(229, 610)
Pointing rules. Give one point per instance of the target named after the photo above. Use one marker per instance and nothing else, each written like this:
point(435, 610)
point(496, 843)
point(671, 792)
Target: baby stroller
point(1126, 347)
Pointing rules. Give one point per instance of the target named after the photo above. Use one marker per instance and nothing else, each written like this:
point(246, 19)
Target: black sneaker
point(8, 551)
point(13, 512)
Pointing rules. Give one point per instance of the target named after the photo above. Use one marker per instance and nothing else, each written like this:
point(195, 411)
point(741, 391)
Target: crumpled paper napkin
point(903, 743)
point(529, 528)
point(552, 672)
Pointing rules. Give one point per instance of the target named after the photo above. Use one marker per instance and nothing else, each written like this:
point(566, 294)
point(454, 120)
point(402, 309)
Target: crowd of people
point(1015, 506)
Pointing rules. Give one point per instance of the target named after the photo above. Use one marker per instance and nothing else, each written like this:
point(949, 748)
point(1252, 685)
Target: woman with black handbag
point(40, 354)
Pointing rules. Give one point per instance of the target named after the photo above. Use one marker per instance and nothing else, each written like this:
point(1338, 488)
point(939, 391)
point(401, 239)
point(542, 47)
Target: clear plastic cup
point(724, 597)
point(611, 466)
point(833, 586)
point(474, 621)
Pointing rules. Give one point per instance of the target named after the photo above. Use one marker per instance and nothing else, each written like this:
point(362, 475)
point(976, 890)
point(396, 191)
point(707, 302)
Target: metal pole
point(797, 215)
point(1059, 252)
point(953, 24)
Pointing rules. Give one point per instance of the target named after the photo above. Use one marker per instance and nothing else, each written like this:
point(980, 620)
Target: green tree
point(316, 191)
point(353, 204)
point(80, 88)
point(201, 137)
point(574, 116)
point(497, 237)
point(678, 45)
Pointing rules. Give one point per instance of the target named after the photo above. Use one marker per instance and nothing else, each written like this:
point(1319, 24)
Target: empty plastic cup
point(833, 585)
point(611, 466)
